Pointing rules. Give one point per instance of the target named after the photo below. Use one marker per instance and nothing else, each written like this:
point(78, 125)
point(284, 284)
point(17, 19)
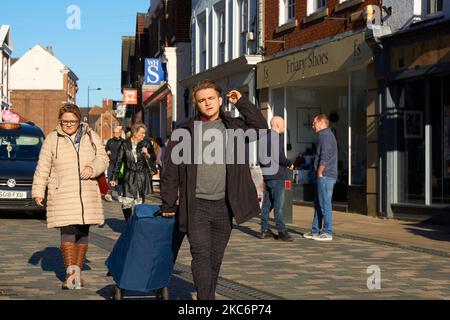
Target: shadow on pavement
point(116, 225)
point(430, 231)
point(51, 259)
point(179, 289)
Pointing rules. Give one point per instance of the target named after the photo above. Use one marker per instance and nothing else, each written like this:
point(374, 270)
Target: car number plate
point(12, 195)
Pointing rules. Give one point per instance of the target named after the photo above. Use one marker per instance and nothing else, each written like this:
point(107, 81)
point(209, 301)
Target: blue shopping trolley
point(142, 258)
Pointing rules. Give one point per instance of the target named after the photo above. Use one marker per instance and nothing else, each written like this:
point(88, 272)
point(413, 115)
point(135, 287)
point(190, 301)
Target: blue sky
point(93, 52)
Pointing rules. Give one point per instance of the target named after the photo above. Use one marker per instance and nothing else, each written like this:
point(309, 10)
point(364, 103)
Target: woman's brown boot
point(69, 252)
point(81, 256)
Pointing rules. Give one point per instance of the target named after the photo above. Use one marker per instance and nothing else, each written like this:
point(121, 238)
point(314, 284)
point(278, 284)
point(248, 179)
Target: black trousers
point(209, 232)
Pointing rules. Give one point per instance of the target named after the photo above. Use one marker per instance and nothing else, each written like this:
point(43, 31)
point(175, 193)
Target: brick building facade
point(40, 85)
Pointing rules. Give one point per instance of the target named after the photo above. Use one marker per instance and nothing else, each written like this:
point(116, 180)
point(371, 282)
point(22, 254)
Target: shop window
point(440, 126)
point(411, 168)
point(358, 106)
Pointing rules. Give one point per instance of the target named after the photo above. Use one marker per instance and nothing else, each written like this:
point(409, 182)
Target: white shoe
point(310, 235)
point(323, 237)
point(119, 198)
point(108, 198)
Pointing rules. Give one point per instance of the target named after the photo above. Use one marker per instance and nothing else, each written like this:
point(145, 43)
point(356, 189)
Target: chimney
point(49, 49)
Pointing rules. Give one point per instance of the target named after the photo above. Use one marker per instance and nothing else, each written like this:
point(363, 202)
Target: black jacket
point(136, 174)
point(178, 182)
point(281, 165)
point(113, 145)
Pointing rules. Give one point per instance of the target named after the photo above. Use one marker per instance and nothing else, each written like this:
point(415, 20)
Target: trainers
point(108, 198)
point(310, 235)
point(284, 236)
point(323, 237)
point(266, 234)
point(119, 198)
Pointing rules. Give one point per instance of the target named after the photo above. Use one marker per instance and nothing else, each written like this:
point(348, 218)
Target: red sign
point(130, 97)
point(287, 185)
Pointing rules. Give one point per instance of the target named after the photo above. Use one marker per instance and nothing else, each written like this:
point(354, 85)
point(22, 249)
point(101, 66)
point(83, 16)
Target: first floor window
point(434, 6)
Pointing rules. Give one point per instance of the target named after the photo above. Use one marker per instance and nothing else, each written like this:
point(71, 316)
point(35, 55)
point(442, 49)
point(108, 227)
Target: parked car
point(20, 144)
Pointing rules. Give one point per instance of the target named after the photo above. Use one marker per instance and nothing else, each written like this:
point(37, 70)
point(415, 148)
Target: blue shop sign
point(154, 71)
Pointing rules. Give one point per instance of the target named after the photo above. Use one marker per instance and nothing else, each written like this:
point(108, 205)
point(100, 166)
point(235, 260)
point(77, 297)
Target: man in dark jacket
point(112, 149)
point(209, 194)
point(275, 174)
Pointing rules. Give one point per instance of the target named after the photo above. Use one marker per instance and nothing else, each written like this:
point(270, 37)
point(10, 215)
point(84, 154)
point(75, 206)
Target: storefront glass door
point(440, 121)
point(412, 143)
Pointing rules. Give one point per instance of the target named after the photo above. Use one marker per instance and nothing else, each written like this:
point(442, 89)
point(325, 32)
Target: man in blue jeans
point(325, 165)
point(275, 174)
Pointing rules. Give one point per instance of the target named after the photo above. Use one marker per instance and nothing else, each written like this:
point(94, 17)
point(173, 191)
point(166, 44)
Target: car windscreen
point(19, 147)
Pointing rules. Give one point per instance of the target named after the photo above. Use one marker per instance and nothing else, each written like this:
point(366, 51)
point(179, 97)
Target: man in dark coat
point(205, 194)
point(112, 149)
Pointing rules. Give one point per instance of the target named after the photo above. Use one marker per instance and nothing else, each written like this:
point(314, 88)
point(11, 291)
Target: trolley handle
point(159, 213)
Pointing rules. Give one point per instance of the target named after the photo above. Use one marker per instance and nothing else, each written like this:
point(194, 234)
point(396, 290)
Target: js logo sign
point(74, 20)
point(374, 280)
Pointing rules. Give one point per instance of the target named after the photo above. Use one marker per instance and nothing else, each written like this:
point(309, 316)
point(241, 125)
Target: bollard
point(287, 208)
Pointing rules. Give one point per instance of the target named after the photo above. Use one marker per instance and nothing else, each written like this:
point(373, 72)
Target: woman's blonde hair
point(137, 126)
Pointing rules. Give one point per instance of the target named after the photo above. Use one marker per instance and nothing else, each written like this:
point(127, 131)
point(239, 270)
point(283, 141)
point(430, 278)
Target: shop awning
point(152, 98)
point(341, 53)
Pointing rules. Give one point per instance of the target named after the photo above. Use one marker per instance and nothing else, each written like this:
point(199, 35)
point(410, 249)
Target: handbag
point(101, 179)
point(151, 165)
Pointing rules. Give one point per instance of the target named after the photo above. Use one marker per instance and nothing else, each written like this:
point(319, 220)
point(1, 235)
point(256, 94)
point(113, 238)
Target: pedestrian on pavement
point(112, 149)
point(71, 159)
point(137, 155)
point(325, 166)
point(274, 180)
point(210, 194)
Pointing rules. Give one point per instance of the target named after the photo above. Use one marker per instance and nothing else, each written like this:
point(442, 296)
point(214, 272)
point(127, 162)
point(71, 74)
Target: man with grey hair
point(275, 181)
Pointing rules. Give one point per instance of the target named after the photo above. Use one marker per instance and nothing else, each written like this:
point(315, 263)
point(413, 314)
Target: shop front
point(157, 110)
point(332, 78)
point(416, 123)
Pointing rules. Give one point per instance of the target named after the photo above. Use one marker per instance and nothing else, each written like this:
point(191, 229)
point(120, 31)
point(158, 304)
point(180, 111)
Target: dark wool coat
point(178, 182)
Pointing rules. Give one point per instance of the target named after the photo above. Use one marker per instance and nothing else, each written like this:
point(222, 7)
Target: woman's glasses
point(69, 122)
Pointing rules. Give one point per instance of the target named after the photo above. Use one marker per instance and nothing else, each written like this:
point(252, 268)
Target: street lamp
point(88, 105)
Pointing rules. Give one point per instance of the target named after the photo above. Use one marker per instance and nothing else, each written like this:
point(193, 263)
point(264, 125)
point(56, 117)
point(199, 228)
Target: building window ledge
point(316, 15)
point(347, 4)
point(287, 26)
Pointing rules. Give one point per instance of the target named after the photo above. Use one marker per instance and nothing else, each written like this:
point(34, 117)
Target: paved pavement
point(412, 259)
